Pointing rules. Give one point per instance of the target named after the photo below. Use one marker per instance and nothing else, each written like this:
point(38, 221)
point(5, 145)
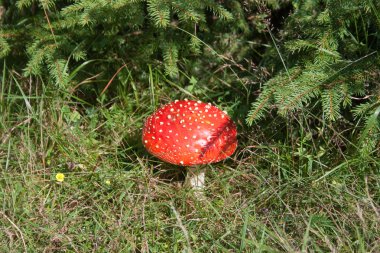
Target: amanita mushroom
point(190, 133)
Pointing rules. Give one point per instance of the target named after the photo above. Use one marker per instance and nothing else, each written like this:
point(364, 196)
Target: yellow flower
point(60, 177)
point(108, 182)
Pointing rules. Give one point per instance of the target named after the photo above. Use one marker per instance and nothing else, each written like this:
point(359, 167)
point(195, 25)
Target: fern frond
point(364, 109)
point(274, 92)
point(73, 8)
point(170, 53)
point(195, 45)
point(300, 91)
point(259, 108)
point(47, 4)
point(299, 45)
point(370, 136)
point(299, 98)
point(188, 12)
point(4, 47)
point(37, 57)
point(79, 55)
point(331, 100)
point(59, 72)
point(159, 13)
point(24, 3)
point(218, 10)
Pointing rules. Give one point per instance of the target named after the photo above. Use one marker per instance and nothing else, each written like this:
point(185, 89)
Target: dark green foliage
point(131, 32)
point(331, 60)
point(325, 57)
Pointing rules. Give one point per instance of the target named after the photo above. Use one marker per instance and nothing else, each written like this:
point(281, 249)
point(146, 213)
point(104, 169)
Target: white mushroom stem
point(196, 177)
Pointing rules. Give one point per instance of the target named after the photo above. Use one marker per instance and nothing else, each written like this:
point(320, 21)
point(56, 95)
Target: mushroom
point(190, 133)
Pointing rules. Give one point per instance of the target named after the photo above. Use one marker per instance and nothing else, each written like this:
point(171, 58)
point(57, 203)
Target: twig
point(113, 77)
point(180, 224)
point(375, 209)
point(87, 80)
point(55, 41)
point(144, 243)
point(17, 228)
point(6, 135)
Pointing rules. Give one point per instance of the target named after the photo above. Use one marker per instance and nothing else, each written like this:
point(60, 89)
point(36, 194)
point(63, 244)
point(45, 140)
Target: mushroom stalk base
point(195, 178)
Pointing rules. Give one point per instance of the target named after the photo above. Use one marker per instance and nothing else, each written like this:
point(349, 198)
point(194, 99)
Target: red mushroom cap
point(190, 133)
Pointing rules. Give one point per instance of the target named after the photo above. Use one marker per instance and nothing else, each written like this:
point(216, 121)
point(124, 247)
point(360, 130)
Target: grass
point(297, 193)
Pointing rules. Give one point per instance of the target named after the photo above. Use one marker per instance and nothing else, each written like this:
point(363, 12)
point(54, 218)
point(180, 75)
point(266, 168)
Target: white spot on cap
point(160, 130)
point(176, 101)
point(153, 137)
point(157, 146)
point(194, 136)
point(169, 116)
point(161, 123)
point(187, 145)
point(146, 141)
point(172, 109)
point(181, 162)
point(201, 142)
